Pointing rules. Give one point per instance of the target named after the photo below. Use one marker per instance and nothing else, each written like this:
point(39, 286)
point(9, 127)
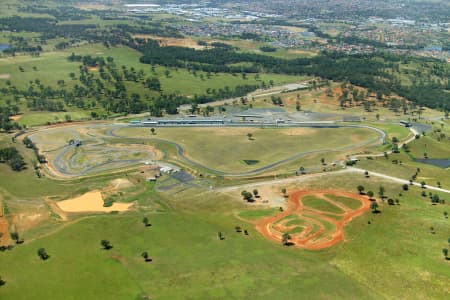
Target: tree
point(360, 189)
point(153, 130)
point(445, 215)
point(15, 236)
point(256, 193)
point(285, 238)
point(106, 244)
point(445, 252)
point(297, 105)
point(145, 256)
point(250, 136)
point(43, 254)
point(302, 170)
point(2, 282)
point(283, 190)
point(370, 194)
point(423, 184)
point(247, 196)
point(381, 191)
point(374, 207)
point(146, 222)
point(322, 160)
point(220, 236)
point(405, 187)
point(366, 173)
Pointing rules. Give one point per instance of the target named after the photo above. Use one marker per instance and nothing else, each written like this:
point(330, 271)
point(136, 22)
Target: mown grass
point(321, 204)
point(188, 262)
point(210, 146)
point(258, 213)
point(348, 202)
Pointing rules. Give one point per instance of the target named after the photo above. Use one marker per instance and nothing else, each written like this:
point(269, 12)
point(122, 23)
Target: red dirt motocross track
point(312, 234)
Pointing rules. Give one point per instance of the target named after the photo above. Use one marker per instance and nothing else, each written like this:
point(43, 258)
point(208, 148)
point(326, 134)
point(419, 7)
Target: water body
point(3, 47)
point(441, 163)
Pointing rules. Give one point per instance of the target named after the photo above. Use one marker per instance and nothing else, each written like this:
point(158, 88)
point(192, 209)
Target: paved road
point(307, 177)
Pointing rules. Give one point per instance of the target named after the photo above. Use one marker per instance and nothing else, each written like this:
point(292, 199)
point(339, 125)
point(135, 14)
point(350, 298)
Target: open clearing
point(91, 202)
point(210, 146)
point(166, 41)
point(318, 229)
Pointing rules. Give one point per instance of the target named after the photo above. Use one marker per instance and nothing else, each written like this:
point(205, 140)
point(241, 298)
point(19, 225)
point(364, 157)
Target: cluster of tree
point(247, 196)
point(267, 49)
point(47, 26)
point(154, 29)
point(12, 157)
point(5, 121)
point(87, 60)
point(30, 145)
point(61, 13)
point(21, 44)
point(378, 72)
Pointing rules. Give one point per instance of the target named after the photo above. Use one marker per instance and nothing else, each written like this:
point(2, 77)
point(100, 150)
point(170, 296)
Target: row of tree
point(12, 157)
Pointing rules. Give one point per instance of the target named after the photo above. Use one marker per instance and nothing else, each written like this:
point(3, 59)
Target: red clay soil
point(314, 235)
point(4, 233)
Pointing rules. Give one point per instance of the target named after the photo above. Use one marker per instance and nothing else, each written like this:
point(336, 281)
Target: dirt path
point(315, 235)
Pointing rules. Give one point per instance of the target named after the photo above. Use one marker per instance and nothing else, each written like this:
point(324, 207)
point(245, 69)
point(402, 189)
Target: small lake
point(442, 163)
point(3, 47)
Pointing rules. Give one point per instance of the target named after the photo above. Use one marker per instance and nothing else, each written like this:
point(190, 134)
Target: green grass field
point(348, 202)
point(215, 152)
point(52, 66)
point(187, 254)
point(321, 204)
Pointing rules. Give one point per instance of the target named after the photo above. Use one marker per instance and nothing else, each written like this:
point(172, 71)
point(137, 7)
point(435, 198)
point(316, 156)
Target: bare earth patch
point(120, 183)
point(5, 76)
point(15, 118)
point(299, 131)
point(4, 233)
point(164, 41)
point(91, 202)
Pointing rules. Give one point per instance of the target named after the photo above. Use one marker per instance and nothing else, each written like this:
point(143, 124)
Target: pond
point(442, 163)
point(3, 47)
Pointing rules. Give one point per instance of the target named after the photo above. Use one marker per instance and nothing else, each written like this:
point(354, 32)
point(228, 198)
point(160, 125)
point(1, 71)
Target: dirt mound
point(120, 183)
point(317, 229)
point(90, 202)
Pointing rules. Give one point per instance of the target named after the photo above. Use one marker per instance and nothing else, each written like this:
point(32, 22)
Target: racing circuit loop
point(314, 219)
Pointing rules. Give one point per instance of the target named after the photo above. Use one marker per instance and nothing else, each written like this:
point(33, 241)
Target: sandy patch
point(164, 42)
point(299, 131)
point(91, 202)
point(93, 68)
point(293, 28)
point(92, 6)
point(16, 117)
point(120, 183)
point(5, 76)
